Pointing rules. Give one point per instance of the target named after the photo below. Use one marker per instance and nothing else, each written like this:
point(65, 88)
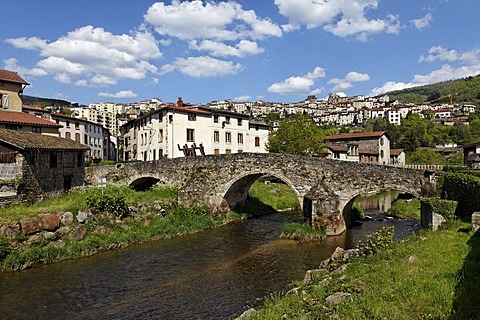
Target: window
point(160, 153)
point(216, 152)
point(77, 137)
point(381, 141)
point(240, 138)
point(37, 130)
point(11, 126)
point(215, 118)
point(53, 159)
point(228, 137)
point(257, 142)
point(68, 124)
point(228, 151)
point(154, 154)
point(216, 136)
point(227, 120)
point(67, 135)
point(160, 135)
point(239, 122)
point(192, 117)
point(4, 100)
point(80, 158)
point(240, 151)
point(77, 125)
point(190, 135)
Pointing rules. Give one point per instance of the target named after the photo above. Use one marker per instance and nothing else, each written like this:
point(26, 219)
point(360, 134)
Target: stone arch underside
point(237, 189)
point(143, 183)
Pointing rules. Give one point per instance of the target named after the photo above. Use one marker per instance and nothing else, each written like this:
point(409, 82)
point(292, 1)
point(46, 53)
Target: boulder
point(48, 235)
point(337, 255)
point(30, 226)
point(338, 297)
point(79, 233)
point(33, 239)
point(82, 216)
point(247, 314)
point(8, 232)
point(102, 229)
point(62, 231)
point(315, 275)
point(67, 218)
point(49, 222)
point(476, 220)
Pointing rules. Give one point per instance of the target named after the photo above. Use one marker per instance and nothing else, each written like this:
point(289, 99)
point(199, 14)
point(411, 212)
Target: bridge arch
point(143, 183)
point(236, 190)
point(346, 206)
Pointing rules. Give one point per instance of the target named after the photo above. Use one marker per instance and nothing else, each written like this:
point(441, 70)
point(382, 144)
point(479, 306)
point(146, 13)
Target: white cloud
point(347, 82)
point(221, 29)
point(422, 22)
point(220, 21)
point(298, 84)
point(120, 94)
point(220, 49)
point(340, 17)
point(11, 64)
point(32, 43)
point(202, 67)
point(91, 56)
point(243, 98)
point(460, 65)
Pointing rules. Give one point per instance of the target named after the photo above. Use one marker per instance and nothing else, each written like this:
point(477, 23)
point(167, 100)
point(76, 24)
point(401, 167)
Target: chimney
point(180, 102)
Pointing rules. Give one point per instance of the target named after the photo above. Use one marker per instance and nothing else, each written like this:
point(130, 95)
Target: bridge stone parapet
point(325, 188)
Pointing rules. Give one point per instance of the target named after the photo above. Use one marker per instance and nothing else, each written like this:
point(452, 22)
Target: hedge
point(463, 188)
point(446, 208)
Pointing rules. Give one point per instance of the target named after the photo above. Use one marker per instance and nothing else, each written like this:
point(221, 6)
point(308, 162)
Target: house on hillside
point(40, 163)
point(367, 147)
point(397, 157)
point(11, 90)
point(471, 155)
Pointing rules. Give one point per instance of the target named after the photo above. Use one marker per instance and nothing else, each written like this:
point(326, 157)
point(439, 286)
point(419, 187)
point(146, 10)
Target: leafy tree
point(298, 135)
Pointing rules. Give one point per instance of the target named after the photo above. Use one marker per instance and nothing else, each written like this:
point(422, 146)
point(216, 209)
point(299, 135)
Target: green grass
point(440, 282)
point(405, 209)
point(302, 232)
point(76, 200)
point(277, 195)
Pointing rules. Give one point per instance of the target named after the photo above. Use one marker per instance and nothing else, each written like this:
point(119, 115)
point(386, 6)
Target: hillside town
point(152, 129)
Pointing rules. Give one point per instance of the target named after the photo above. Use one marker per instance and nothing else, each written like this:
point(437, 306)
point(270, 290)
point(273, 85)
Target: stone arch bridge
point(325, 188)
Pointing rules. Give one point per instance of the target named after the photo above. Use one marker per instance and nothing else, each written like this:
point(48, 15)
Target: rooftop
point(33, 141)
point(361, 135)
point(10, 76)
point(25, 119)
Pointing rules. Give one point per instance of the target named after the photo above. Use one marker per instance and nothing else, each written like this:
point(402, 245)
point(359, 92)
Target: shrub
point(403, 209)
point(377, 241)
point(112, 201)
point(446, 208)
point(4, 248)
point(463, 188)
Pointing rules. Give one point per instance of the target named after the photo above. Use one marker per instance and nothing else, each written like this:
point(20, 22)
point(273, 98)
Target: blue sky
point(89, 51)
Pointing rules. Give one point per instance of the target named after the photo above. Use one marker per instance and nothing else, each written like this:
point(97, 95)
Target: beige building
point(368, 147)
point(103, 114)
point(179, 130)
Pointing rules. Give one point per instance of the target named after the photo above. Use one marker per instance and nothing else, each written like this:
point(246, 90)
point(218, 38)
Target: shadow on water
point(467, 290)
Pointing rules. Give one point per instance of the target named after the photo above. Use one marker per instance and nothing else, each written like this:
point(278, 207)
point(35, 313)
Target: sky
point(123, 51)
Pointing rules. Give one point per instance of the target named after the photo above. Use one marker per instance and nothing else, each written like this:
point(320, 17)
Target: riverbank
point(46, 233)
point(432, 275)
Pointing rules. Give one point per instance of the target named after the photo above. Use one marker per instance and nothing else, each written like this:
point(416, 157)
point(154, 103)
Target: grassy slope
point(277, 195)
point(441, 283)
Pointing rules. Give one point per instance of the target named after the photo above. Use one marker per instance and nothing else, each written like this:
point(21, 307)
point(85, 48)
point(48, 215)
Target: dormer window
point(192, 117)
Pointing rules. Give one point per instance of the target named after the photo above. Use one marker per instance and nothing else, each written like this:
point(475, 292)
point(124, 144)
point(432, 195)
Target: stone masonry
point(325, 188)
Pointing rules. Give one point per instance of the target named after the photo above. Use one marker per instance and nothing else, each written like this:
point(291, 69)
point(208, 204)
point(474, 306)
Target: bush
point(377, 241)
point(446, 208)
point(5, 248)
point(405, 209)
point(465, 189)
point(111, 201)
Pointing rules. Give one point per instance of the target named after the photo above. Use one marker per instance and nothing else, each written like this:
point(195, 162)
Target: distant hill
point(466, 90)
point(36, 101)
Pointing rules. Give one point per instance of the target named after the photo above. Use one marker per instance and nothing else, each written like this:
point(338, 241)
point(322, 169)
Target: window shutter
point(5, 101)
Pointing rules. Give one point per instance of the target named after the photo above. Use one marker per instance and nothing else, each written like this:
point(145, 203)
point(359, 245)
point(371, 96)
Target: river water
point(216, 274)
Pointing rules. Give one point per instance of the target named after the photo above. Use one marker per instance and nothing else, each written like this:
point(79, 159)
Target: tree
point(297, 135)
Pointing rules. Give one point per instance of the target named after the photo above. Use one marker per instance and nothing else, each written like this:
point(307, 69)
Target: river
point(216, 274)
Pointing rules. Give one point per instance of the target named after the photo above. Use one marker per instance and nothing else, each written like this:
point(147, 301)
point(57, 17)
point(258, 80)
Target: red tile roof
point(13, 117)
point(395, 152)
point(338, 147)
point(10, 76)
point(367, 151)
point(362, 135)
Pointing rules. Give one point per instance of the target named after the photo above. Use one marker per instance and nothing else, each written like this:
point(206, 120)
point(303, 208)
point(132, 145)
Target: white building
point(177, 131)
point(103, 113)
